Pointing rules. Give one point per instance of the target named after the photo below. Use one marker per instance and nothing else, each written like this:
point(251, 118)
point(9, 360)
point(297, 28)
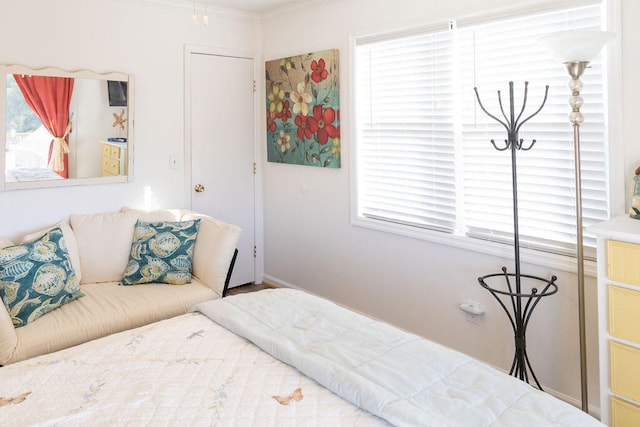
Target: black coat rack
point(518, 298)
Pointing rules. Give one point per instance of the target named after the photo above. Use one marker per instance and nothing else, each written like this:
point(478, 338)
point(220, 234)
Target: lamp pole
point(576, 69)
point(575, 49)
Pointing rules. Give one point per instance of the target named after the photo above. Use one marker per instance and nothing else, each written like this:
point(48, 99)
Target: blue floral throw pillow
point(37, 277)
point(161, 252)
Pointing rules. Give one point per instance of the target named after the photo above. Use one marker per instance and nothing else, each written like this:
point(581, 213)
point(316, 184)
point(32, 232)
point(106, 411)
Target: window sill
point(530, 256)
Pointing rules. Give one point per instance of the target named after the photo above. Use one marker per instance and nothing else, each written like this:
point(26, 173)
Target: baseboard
point(268, 284)
point(272, 282)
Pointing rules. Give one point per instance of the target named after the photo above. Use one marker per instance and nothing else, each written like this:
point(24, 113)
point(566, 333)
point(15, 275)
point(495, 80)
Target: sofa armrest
point(8, 336)
point(214, 251)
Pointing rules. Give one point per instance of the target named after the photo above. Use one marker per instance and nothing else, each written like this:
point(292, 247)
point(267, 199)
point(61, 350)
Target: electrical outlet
point(472, 318)
point(473, 311)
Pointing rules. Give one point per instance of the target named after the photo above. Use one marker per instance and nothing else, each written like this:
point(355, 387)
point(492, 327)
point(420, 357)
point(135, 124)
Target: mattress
point(271, 358)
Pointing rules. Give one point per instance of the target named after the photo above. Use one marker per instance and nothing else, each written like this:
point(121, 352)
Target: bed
point(30, 174)
point(278, 357)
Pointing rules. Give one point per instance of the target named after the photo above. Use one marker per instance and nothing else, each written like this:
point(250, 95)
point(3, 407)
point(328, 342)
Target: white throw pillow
point(5, 242)
point(69, 239)
point(155, 215)
point(104, 243)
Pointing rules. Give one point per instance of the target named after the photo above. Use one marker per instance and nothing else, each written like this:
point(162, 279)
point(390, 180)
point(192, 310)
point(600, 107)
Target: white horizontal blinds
point(491, 56)
point(406, 131)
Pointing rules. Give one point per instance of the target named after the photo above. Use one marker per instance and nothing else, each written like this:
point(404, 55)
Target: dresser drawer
point(114, 151)
point(625, 370)
point(623, 262)
point(624, 313)
point(624, 414)
point(106, 150)
point(110, 166)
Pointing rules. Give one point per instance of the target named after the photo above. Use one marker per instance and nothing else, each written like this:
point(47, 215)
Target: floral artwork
point(303, 109)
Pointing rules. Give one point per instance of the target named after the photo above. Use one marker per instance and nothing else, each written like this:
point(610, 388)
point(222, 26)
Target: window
point(27, 140)
point(424, 156)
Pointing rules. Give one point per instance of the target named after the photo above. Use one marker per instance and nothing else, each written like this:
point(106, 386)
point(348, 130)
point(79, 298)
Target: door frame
point(258, 114)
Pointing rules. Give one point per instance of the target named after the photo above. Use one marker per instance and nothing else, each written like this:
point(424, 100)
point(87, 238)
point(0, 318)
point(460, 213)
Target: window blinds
point(496, 54)
point(406, 126)
point(424, 152)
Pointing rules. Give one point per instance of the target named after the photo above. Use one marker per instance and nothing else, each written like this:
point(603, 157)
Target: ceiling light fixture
point(194, 18)
point(205, 17)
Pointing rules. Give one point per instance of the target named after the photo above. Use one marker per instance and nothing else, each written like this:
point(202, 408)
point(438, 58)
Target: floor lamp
point(575, 50)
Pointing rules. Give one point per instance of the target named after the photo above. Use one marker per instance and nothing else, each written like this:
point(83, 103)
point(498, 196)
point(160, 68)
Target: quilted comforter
point(398, 376)
point(339, 369)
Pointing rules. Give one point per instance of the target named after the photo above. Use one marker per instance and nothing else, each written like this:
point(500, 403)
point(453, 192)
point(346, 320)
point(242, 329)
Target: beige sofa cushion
point(70, 242)
point(104, 243)
point(214, 250)
point(8, 337)
point(106, 308)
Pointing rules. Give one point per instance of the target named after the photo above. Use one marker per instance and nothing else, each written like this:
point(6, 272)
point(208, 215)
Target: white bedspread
point(30, 174)
point(184, 371)
point(407, 380)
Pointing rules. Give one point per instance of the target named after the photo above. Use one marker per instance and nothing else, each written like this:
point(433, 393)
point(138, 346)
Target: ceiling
point(251, 6)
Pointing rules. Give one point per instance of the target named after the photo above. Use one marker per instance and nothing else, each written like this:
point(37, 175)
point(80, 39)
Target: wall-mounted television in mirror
point(117, 91)
point(62, 128)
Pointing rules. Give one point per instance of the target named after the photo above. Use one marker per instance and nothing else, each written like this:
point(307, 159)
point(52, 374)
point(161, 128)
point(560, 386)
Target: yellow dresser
point(619, 320)
point(114, 158)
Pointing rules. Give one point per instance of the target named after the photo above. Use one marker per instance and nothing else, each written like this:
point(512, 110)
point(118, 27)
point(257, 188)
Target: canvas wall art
point(303, 109)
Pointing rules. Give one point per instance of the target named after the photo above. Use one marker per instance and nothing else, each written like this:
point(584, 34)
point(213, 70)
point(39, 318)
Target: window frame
point(611, 12)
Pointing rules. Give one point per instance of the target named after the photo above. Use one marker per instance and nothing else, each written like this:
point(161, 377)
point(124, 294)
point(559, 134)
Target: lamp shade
point(575, 46)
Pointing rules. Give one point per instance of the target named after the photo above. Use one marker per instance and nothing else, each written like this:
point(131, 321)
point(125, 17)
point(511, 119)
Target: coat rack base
point(519, 306)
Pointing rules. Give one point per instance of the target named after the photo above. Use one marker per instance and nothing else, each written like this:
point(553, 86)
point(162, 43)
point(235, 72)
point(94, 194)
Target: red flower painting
point(304, 88)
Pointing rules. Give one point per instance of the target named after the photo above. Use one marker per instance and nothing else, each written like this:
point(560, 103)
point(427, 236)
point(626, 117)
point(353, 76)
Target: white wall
point(417, 285)
point(129, 36)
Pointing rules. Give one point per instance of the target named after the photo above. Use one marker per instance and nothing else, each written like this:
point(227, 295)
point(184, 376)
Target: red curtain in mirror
point(49, 98)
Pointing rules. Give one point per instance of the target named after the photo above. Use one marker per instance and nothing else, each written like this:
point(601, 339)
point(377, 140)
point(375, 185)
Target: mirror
point(62, 128)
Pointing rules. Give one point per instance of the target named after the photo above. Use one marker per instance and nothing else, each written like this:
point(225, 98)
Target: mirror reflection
point(61, 127)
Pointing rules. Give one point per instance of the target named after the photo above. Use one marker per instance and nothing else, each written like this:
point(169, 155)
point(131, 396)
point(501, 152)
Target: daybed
point(97, 249)
point(337, 368)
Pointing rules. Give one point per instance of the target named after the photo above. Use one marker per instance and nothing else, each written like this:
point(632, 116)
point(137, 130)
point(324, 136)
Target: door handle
point(199, 188)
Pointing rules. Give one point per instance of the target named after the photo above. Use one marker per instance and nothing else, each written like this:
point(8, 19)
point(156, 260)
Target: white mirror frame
point(55, 72)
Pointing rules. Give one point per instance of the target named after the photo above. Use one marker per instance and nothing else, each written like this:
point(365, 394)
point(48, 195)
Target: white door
point(221, 114)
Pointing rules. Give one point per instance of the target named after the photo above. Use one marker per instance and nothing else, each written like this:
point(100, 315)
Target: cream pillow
point(5, 242)
point(104, 244)
point(155, 215)
point(69, 239)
